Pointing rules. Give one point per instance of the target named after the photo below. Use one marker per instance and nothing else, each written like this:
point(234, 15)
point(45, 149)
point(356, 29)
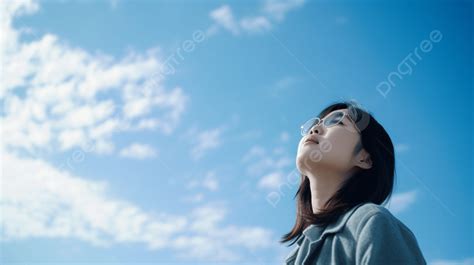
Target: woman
point(347, 165)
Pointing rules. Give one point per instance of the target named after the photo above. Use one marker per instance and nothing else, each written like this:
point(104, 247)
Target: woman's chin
point(306, 163)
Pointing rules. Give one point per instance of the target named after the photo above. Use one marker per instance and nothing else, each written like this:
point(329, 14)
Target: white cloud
point(40, 201)
point(104, 147)
point(87, 115)
point(255, 24)
point(401, 201)
point(206, 141)
point(223, 16)
point(254, 152)
point(71, 137)
point(209, 182)
point(272, 180)
point(272, 11)
point(268, 162)
point(138, 151)
point(57, 96)
point(10, 9)
point(269, 166)
point(212, 240)
point(278, 9)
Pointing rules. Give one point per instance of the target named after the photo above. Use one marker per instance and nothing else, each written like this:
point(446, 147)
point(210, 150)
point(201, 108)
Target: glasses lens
point(333, 119)
point(308, 125)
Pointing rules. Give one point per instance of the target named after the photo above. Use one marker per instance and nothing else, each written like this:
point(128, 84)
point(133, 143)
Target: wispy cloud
point(271, 12)
point(255, 24)
point(205, 141)
point(269, 166)
point(138, 151)
point(212, 239)
point(271, 180)
point(278, 9)
point(259, 161)
point(401, 201)
point(209, 182)
point(223, 16)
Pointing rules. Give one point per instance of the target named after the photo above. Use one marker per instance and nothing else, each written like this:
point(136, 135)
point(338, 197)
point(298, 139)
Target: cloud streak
point(401, 201)
point(271, 13)
point(138, 151)
point(205, 141)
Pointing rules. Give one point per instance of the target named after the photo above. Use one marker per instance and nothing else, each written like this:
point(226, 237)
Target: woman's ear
point(363, 159)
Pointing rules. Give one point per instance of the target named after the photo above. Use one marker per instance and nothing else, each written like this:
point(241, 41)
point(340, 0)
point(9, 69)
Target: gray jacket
point(366, 234)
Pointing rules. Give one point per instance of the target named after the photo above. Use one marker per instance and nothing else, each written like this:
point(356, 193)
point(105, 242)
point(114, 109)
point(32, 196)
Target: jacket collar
point(315, 233)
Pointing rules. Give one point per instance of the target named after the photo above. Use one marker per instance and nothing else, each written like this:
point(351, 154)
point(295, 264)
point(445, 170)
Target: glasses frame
point(344, 115)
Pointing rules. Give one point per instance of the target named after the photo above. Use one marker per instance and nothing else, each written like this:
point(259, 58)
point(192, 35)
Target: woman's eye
point(335, 122)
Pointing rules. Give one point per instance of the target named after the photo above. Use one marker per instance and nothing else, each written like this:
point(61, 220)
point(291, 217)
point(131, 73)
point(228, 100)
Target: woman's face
point(329, 148)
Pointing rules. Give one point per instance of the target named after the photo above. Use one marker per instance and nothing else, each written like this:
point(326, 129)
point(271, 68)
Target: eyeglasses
point(335, 118)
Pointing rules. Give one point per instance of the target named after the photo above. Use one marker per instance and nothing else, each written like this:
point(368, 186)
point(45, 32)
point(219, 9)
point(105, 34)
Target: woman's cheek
point(340, 152)
point(300, 145)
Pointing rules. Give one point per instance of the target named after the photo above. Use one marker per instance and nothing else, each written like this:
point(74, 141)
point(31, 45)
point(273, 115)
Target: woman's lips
point(311, 141)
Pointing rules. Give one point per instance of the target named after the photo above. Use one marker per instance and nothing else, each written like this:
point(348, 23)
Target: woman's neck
point(323, 185)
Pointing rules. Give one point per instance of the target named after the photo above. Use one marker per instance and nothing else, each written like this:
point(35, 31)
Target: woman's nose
point(316, 129)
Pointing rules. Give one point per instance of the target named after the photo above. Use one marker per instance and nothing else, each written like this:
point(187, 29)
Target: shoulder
point(380, 237)
point(367, 210)
point(370, 219)
point(373, 216)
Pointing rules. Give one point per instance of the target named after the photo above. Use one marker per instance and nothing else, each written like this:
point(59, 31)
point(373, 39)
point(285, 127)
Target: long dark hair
point(365, 185)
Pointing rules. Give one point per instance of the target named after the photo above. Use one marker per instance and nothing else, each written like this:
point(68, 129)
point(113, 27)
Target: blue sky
point(159, 131)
